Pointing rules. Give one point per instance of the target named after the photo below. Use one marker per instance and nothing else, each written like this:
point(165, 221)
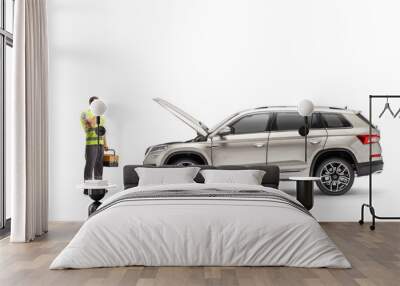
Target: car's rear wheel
point(337, 176)
point(185, 162)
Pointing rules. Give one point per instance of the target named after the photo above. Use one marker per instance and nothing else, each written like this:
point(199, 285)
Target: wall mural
point(323, 146)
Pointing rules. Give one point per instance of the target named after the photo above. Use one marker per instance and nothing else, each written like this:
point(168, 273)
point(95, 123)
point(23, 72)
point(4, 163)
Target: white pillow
point(165, 176)
point(248, 177)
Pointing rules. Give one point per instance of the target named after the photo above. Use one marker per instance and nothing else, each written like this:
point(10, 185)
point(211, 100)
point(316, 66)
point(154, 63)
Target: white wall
point(213, 58)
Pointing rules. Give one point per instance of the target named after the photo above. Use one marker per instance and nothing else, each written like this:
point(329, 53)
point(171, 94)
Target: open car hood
point(192, 122)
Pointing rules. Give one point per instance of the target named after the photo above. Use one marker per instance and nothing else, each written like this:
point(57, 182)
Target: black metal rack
point(370, 205)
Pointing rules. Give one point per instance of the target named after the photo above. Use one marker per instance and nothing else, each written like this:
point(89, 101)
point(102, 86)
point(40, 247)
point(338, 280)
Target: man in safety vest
point(94, 146)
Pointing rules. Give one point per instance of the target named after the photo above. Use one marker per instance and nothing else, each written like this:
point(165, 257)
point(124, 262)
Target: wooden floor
point(375, 257)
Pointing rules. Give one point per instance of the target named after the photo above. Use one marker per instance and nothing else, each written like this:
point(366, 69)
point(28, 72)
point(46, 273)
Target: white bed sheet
point(200, 231)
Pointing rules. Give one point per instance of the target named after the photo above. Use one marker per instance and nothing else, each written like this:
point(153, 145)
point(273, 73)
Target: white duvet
point(200, 231)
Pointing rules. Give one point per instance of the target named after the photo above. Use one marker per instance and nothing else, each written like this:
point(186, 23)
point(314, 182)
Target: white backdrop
point(213, 58)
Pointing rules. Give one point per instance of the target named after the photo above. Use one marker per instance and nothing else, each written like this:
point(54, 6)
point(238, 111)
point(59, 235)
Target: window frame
point(267, 126)
point(273, 121)
point(6, 39)
point(325, 124)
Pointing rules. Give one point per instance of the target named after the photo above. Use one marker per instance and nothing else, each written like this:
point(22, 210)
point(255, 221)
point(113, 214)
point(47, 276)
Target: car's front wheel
point(337, 176)
point(185, 162)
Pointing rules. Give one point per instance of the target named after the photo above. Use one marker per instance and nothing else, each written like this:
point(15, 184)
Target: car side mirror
point(225, 131)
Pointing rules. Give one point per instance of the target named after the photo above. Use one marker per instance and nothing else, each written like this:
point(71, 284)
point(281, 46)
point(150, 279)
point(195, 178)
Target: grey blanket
point(198, 225)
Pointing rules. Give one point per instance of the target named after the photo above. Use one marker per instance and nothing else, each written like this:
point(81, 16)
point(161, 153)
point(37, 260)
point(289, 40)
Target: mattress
point(201, 225)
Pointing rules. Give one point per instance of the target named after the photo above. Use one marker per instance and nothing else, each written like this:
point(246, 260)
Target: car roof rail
point(275, 106)
point(292, 106)
point(337, 108)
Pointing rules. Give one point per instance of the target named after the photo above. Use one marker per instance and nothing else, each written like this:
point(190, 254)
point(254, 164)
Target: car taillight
point(369, 139)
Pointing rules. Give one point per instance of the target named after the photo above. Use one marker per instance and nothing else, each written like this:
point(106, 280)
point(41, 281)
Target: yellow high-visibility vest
point(91, 136)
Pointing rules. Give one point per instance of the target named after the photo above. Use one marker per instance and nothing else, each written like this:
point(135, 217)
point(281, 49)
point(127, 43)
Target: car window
point(223, 122)
point(287, 121)
point(335, 120)
point(254, 123)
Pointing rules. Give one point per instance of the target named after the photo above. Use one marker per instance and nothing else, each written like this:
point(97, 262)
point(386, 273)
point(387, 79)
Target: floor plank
point(375, 257)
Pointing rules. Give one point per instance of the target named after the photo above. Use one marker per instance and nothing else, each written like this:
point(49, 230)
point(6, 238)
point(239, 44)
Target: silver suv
point(337, 149)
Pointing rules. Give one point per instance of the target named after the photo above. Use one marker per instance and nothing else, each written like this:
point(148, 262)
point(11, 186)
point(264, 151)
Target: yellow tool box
point(110, 159)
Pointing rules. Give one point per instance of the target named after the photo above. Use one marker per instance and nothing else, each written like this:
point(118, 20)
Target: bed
point(201, 224)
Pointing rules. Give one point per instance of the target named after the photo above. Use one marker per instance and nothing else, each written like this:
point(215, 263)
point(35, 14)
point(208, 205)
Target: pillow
point(248, 177)
point(165, 176)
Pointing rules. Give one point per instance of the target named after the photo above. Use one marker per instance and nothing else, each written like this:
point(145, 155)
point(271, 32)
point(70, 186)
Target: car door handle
point(259, 145)
point(315, 142)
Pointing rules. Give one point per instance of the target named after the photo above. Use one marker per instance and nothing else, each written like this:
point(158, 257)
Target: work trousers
point(94, 162)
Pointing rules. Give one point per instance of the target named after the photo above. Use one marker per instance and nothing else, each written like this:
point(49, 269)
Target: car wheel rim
point(335, 176)
point(185, 164)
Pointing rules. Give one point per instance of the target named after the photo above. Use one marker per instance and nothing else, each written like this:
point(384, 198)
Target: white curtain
point(28, 115)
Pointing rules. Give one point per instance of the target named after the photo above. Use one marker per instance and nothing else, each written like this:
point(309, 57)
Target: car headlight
point(158, 148)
